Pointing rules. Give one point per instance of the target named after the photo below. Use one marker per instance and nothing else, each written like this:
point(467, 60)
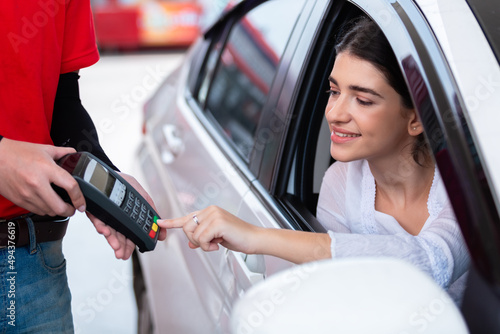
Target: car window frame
point(216, 37)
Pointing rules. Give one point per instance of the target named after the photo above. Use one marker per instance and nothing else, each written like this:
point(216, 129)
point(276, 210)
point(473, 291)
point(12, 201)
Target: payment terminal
point(112, 199)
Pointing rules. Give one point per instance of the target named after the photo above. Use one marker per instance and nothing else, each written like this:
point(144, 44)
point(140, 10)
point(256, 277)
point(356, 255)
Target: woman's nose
point(337, 111)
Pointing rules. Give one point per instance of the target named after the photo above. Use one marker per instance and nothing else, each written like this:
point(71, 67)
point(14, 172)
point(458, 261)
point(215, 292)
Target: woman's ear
point(414, 125)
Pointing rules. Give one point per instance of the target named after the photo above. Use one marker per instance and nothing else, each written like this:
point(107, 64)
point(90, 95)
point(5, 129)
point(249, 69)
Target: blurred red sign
point(162, 23)
point(146, 23)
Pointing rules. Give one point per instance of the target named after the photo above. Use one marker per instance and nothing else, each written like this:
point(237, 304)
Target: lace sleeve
point(438, 250)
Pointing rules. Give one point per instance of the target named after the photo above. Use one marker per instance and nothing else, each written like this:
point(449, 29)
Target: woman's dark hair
point(363, 39)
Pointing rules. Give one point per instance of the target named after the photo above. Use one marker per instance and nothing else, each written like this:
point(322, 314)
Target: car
point(240, 124)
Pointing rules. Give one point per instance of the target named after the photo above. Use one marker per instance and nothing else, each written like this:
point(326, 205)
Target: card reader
point(112, 199)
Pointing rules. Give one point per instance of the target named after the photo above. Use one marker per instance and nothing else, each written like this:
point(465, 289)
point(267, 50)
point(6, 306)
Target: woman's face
point(365, 114)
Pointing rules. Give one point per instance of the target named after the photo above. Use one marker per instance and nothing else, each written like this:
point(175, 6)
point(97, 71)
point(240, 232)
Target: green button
point(155, 219)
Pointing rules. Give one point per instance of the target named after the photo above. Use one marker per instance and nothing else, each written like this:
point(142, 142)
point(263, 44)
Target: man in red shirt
point(44, 43)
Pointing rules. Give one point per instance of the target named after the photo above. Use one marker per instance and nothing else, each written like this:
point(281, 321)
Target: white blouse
point(346, 208)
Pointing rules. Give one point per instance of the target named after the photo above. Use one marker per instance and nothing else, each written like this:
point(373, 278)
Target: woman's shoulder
point(342, 173)
point(339, 167)
point(438, 197)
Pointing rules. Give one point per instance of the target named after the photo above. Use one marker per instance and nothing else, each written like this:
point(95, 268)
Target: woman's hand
point(122, 246)
point(215, 226)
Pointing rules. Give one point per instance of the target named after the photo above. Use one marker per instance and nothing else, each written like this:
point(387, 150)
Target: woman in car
point(382, 197)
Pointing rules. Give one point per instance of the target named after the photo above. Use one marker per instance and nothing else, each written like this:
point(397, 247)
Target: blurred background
point(141, 42)
point(134, 24)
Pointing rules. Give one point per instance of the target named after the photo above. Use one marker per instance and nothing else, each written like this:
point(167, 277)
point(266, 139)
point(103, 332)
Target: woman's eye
point(364, 103)
point(332, 92)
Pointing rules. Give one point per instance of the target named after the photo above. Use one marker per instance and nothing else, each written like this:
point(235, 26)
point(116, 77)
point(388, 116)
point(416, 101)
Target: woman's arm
point(294, 246)
point(439, 250)
point(216, 226)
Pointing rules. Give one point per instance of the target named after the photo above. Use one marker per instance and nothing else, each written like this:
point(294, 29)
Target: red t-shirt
point(39, 40)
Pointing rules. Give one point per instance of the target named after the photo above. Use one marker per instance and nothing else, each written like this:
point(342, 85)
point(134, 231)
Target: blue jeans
point(34, 292)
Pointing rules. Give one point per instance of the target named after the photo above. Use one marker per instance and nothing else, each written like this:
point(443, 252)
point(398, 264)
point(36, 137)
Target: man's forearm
point(71, 123)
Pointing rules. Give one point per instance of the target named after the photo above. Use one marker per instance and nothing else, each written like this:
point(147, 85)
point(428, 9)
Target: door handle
point(247, 269)
point(173, 144)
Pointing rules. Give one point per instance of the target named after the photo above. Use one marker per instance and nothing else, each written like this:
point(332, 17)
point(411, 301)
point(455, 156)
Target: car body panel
point(190, 195)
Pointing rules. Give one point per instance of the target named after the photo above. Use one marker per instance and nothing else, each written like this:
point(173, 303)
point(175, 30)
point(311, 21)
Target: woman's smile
point(340, 136)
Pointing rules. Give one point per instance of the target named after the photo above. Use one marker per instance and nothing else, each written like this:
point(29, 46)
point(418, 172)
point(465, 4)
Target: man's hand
point(26, 173)
point(133, 182)
point(122, 246)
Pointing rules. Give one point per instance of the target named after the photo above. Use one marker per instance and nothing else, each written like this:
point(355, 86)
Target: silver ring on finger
point(195, 218)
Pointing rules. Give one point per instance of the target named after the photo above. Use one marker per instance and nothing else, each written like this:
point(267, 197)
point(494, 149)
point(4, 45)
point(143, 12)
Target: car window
point(239, 74)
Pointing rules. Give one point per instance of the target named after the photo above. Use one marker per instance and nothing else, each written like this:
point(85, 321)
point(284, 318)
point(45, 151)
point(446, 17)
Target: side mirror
point(357, 295)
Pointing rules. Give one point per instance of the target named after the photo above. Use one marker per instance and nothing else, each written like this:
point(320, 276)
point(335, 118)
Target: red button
point(152, 234)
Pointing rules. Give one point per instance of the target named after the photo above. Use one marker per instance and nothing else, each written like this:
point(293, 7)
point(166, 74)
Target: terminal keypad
point(140, 213)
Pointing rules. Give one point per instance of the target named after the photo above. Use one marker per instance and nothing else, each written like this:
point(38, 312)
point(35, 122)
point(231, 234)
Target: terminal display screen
point(99, 177)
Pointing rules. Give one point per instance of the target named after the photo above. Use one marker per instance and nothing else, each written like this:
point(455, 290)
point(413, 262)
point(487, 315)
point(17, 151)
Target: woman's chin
point(338, 156)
